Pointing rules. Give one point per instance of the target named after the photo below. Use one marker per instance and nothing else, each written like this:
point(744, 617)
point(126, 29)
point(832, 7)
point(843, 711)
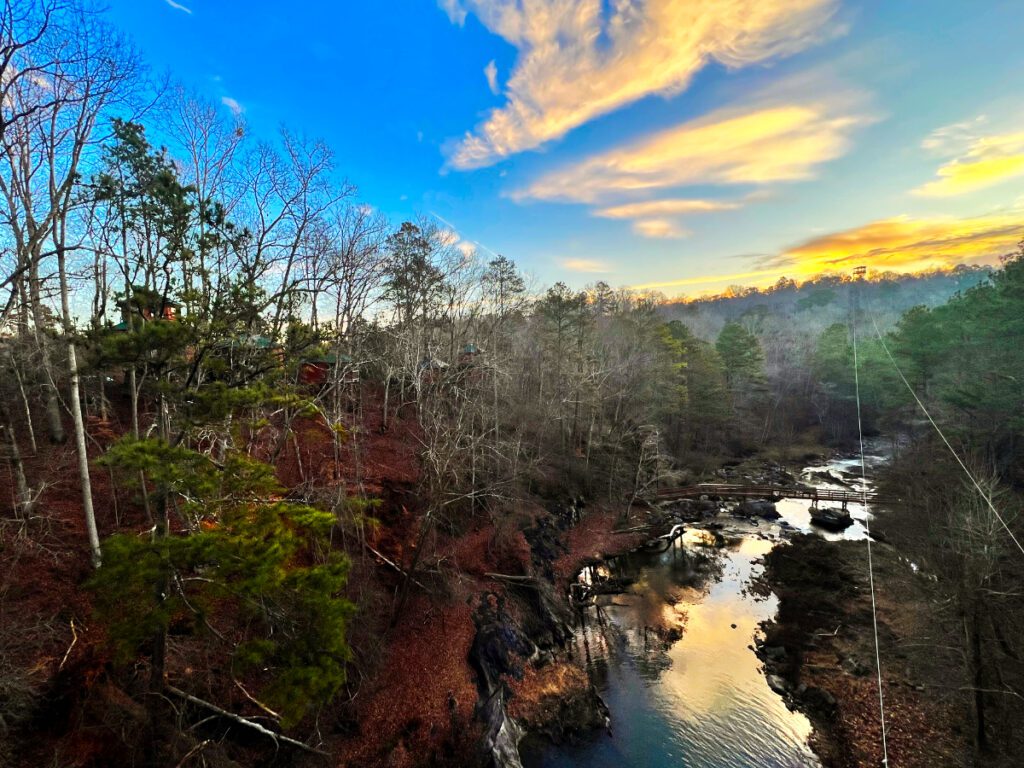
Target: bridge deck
point(775, 492)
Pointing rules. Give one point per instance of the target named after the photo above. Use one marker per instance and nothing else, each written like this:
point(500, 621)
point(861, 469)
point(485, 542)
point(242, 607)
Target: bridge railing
point(775, 492)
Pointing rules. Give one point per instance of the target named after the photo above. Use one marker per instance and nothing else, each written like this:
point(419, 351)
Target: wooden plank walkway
point(772, 492)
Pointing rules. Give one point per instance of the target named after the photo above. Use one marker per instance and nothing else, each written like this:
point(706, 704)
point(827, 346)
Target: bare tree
point(88, 72)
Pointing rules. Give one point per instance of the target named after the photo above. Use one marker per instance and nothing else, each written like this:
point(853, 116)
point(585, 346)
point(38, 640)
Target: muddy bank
point(819, 654)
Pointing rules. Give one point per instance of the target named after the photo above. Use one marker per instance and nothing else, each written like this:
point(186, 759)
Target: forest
point(273, 464)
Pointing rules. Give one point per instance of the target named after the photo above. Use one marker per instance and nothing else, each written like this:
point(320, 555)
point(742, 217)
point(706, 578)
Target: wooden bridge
point(770, 492)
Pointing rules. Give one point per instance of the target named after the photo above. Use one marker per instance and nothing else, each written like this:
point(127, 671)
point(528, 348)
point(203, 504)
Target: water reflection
point(671, 654)
point(671, 657)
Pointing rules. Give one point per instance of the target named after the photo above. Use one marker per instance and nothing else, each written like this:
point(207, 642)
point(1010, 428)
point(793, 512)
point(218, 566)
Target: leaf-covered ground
point(824, 623)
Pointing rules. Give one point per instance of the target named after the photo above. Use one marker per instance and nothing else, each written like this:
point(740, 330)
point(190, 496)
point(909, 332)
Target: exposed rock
point(819, 700)
point(832, 518)
point(853, 666)
point(759, 508)
point(503, 733)
point(497, 649)
point(777, 684)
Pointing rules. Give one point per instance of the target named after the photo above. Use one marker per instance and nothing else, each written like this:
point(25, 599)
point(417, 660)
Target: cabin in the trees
point(146, 305)
point(469, 354)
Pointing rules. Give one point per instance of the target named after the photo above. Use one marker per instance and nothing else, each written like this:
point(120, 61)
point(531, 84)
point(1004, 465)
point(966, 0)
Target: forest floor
point(824, 624)
point(414, 694)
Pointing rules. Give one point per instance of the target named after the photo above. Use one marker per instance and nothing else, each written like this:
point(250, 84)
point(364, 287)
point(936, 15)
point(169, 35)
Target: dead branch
point(277, 737)
point(74, 641)
point(393, 565)
point(527, 580)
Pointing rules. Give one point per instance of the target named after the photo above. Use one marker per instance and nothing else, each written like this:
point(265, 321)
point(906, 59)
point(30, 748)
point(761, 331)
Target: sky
point(678, 145)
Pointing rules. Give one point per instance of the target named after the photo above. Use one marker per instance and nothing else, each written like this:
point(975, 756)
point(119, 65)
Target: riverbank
point(528, 685)
point(819, 653)
point(821, 650)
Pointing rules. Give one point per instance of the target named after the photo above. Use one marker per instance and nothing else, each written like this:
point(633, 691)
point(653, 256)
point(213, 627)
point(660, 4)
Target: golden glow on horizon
point(900, 244)
point(710, 280)
point(904, 244)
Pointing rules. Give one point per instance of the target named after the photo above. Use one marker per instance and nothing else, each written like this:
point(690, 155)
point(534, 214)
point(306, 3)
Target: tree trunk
point(76, 416)
point(23, 494)
point(25, 406)
point(54, 423)
point(83, 459)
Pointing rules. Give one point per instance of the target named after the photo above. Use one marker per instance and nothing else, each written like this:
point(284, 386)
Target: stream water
point(673, 656)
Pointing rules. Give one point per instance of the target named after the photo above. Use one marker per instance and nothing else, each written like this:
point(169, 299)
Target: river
point(673, 656)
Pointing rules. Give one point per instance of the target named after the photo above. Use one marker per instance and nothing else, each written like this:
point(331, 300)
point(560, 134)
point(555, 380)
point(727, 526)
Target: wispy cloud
point(662, 229)
point(979, 161)
point(759, 145)
point(906, 244)
point(454, 10)
point(232, 104)
point(463, 244)
point(447, 237)
point(769, 140)
point(580, 59)
point(667, 207)
point(178, 6)
point(491, 73)
point(585, 265)
point(955, 138)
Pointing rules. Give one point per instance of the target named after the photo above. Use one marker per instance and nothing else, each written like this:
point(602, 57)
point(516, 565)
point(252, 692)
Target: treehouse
point(146, 305)
point(469, 354)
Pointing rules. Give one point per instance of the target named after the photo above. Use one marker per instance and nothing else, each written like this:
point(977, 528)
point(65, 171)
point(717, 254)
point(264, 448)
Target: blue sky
point(676, 143)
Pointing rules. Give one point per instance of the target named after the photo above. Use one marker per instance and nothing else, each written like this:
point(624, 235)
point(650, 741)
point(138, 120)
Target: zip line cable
point(867, 528)
point(924, 410)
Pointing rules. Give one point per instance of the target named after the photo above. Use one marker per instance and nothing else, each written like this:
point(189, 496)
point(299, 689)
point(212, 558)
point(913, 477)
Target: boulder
point(819, 701)
point(832, 518)
point(777, 684)
point(758, 508)
point(853, 666)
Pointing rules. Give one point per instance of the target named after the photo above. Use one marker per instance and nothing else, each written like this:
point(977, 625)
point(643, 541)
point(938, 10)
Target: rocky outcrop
point(758, 508)
point(499, 651)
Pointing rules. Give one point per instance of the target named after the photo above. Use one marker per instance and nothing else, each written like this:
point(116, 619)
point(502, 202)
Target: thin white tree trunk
point(75, 403)
point(83, 456)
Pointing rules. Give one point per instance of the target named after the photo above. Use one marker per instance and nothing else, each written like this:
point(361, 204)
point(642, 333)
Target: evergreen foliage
point(240, 551)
